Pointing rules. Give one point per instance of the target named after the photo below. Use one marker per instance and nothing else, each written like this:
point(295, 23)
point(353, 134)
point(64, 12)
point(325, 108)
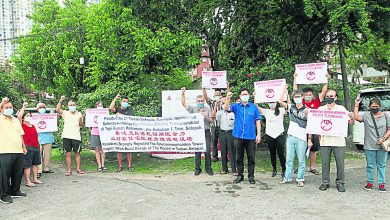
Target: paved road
point(129, 196)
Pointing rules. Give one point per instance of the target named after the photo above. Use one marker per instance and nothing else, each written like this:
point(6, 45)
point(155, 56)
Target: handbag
point(386, 144)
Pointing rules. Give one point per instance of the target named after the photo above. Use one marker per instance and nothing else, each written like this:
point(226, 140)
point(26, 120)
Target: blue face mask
point(8, 111)
point(125, 104)
point(244, 98)
point(72, 108)
point(41, 111)
point(200, 105)
point(298, 101)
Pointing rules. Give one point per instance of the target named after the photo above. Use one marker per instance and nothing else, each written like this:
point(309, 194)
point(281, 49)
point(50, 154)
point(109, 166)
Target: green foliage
point(8, 88)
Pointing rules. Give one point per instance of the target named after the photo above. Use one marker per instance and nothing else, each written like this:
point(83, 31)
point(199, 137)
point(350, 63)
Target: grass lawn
point(145, 164)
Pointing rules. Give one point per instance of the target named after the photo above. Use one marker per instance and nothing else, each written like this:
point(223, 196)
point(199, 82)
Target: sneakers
point(341, 187)
point(382, 188)
point(324, 187)
point(19, 195)
point(273, 173)
point(368, 187)
point(6, 200)
point(197, 172)
point(210, 172)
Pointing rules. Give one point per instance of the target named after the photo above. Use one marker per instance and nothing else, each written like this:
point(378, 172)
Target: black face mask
point(329, 100)
point(374, 110)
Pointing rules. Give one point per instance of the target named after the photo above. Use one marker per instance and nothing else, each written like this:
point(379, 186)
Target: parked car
point(383, 93)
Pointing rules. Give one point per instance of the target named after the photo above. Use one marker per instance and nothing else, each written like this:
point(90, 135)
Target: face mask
point(244, 98)
point(42, 111)
point(72, 108)
point(125, 104)
point(27, 119)
point(374, 110)
point(272, 105)
point(200, 104)
point(8, 111)
point(298, 101)
point(99, 107)
point(216, 98)
point(329, 100)
point(308, 98)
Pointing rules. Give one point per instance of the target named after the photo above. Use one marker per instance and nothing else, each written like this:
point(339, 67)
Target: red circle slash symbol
point(269, 93)
point(326, 125)
point(310, 75)
point(42, 125)
point(213, 81)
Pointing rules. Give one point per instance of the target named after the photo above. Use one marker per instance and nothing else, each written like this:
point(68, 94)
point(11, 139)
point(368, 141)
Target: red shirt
point(30, 136)
point(314, 104)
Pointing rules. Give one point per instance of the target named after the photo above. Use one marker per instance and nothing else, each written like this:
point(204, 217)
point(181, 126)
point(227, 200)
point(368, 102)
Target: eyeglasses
point(330, 96)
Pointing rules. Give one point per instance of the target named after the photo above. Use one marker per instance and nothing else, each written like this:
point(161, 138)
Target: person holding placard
point(124, 109)
point(246, 133)
point(96, 145)
point(297, 139)
point(310, 101)
point(206, 112)
point(215, 126)
point(46, 140)
point(376, 131)
point(71, 136)
point(30, 138)
point(12, 149)
point(274, 134)
point(333, 144)
point(226, 141)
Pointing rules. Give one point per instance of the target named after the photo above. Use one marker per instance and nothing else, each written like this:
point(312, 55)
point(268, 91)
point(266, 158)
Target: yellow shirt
point(332, 141)
point(71, 125)
point(11, 132)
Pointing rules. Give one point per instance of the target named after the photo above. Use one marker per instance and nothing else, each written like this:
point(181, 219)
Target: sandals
point(119, 169)
point(301, 184)
point(38, 182)
point(131, 169)
point(30, 184)
point(104, 168)
point(68, 173)
point(48, 171)
point(314, 171)
point(100, 169)
point(284, 181)
point(80, 172)
point(235, 174)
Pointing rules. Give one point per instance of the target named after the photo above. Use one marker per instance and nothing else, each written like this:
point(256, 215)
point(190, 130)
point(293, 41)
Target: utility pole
point(347, 100)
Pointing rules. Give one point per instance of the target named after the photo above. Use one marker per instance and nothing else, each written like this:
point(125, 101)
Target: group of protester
point(235, 126)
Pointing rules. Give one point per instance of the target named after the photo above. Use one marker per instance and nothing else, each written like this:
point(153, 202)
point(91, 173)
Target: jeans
point(378, 158)
point(276, 145)
point(226, 142)
point(214, 140)
point(11, 173)
point(249, 146)
point(339, 154)
point(295, 146)
point(207, 155)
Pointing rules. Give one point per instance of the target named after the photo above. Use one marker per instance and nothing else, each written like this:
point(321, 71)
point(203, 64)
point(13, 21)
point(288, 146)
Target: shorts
point(32, 157)
point(316, 143)
point(71, 145)
point(95, 142)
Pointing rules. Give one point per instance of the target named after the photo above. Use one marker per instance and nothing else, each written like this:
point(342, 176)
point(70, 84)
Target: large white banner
point(214, 79)
point(327, 122)
point(152, 134)
point(269, 91)
point(91, 116)
point(45, 122)
point(311, 73)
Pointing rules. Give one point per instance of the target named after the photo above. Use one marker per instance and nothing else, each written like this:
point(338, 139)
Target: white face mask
point(27, 119)
point(272, 105)
point(298, 101)
point(244, 98)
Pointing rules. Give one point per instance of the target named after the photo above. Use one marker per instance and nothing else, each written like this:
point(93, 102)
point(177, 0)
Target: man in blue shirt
point(246, 132)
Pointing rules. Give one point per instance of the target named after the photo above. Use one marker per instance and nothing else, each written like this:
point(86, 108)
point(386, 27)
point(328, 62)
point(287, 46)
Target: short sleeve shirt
point(30, 136)
point(226, 120)
point(11, 132)
point(245, 120)
point(314, 104)
point(126, 111)
point(298, 122)
point(46, 137)
point(332, 141)
point(212, 103)
point(194, 109)
point(71, 125)
point(370, 136)
point(274, 123)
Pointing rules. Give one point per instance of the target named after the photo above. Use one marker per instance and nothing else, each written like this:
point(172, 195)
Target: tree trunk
point(347, 100)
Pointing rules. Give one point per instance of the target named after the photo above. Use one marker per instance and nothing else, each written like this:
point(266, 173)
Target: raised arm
point(4, 101)
point(206, 97)
point(356, 110)
point(112, 105)
point(59, 105)
point(183, 98)
point(21, 112)
point(321, 96)
point(281, 101)
point(295, 86)
point(227, 102)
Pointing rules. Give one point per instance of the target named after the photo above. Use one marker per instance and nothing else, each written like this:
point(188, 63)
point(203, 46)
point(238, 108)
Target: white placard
point(269, 91)
point(327, 122)
point(45, 122)
point(91, 116)
point(152, 134)
point(311, 73)
point(171, 101)
point(214, 79)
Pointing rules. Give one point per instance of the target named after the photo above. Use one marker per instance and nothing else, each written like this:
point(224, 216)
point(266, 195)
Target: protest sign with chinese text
point(269, 91)
point(44, 122)
point(327, 122)
point(311, 73)
point(214, 79)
